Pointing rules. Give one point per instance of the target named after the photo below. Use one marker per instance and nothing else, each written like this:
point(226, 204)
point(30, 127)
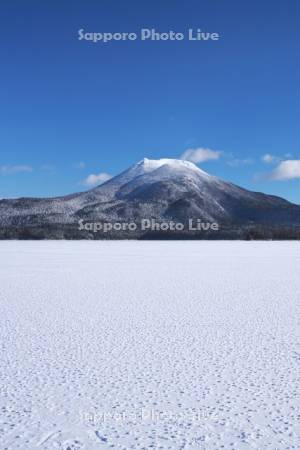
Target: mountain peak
point(162, 190)
point(149, 165)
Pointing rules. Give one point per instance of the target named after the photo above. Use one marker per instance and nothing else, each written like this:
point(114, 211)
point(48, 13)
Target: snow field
point(140, 345)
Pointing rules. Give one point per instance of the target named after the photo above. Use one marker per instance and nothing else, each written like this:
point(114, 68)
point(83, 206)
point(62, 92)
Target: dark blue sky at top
point(64, 101)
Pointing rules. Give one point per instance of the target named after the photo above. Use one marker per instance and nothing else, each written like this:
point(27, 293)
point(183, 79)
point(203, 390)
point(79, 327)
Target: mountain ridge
point(164, 189)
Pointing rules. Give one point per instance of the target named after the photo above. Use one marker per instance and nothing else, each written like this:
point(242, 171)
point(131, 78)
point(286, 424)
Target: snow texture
point(140, 345)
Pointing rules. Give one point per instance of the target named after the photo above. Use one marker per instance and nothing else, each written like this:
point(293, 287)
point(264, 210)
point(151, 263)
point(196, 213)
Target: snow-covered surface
point(139, 345)
point(149, 165)
point(155, 169)
point(149, 171)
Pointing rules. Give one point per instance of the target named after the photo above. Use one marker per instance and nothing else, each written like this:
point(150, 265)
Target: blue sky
point(71, 109)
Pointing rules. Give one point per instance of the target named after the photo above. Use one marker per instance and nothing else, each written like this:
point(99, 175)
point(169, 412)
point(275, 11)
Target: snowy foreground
point(140, 345)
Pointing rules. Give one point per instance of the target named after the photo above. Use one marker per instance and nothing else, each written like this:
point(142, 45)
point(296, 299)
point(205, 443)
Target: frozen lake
point(140, 345)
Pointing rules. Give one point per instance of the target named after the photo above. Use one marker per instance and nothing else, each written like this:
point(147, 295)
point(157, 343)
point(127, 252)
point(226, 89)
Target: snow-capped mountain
point(164, 190)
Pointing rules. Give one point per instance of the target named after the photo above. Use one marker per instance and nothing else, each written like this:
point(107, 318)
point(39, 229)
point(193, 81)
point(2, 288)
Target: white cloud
point(9, 170)
point(286, 170)
point(94, 179)
point(267, 158)
point(199, 155)
point(270, 159)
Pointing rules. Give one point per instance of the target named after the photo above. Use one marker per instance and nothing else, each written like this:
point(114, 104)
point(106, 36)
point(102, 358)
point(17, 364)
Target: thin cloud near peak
point(268, 158)
point(237, 162)
point(96, 179)
point(200, 154)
